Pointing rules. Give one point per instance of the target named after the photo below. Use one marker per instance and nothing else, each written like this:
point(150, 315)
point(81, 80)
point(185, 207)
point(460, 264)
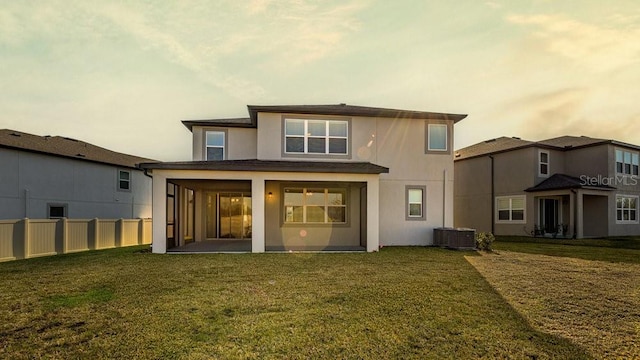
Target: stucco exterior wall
point(472, 194)
point(240, 143)
point(31, 181)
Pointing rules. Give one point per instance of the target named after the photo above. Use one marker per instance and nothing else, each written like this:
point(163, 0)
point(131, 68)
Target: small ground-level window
point(124, 180)
point(57, 211)
point(415, 200)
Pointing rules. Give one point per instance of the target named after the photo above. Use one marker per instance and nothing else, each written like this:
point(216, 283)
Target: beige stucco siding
point(240, 143)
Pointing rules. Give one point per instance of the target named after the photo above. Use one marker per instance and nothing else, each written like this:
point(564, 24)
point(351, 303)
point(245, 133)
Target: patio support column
point(579, 215)
point(257, 215)
point(373, 214)
point(572, 214)
point(159, 225)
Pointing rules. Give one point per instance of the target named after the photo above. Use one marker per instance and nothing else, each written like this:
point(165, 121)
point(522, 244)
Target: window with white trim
point(311, 136)
point(510, 209)
point(415, 200)
point(626, 209)
point(627, 162)
point(437, 137)
point(315, 205)
point(215, 145)
point(124, 180)
point(543, 163)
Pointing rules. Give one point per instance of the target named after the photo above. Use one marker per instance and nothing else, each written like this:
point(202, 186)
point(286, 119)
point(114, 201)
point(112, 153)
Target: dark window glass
point(214, 153)
point(124, 185)
point(337, 146)
point(56, 212)
point(295, 144)
point(517, 215)
point(544, 169)
point(317, 146)
point(503, 215)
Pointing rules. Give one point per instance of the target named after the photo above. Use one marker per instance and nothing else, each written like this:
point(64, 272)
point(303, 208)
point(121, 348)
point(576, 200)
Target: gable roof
point(350, 110)
point(562, 181)
point(504, 144)
point(339, 109)
point(67, 148)
point(273, 165)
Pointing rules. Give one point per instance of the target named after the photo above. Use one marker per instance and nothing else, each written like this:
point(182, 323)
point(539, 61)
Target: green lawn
point(625, 249)
point(398, 303)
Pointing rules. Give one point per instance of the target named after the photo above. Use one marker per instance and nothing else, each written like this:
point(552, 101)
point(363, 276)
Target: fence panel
point(130, 232)
point(42, 238)
point(8, 231)
point(106, 234)
point(78, 235)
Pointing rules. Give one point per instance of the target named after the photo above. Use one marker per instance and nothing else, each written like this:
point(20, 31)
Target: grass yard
point(626, 249)
point(595, 304)
point(398, 303)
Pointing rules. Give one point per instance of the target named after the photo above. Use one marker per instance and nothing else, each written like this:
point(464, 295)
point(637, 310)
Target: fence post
point(140, 231)
point(62, 236)
point(27, 239)
point(119, 233)
point(95, 239)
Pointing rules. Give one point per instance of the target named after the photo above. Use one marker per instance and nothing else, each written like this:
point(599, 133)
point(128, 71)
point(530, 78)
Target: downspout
point(493, 198)
point(444, 198)
point(575, 213)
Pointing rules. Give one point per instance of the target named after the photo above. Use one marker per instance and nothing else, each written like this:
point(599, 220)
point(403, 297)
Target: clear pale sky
point(123, 75)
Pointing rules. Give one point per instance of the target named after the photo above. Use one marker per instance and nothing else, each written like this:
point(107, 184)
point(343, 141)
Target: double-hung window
point(510, 209)
point(310, 136)
point(415, 200)
point(543, 163)
point(437, 137)
point(626, 209)
point(124, 180)
point(627, 162)
point(215, 142)
point(315, 205)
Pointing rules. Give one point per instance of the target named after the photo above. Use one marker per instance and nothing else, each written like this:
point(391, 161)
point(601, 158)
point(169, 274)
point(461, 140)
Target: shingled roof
point(273, 165)
point(562, 181)
point(67, 148)
point(337, 109)
point(503, 144)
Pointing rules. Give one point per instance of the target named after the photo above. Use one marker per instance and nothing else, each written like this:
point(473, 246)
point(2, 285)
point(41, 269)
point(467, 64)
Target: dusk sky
point(122, 75)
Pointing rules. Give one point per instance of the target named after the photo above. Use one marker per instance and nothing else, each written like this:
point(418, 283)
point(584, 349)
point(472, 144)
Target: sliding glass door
point(228, 216)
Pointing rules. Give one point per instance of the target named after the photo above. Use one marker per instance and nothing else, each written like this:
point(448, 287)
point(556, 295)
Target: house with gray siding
point(307, 178)
point(569, 186)
point(48, 177)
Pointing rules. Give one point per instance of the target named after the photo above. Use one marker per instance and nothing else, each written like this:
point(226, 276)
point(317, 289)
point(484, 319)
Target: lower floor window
point(315, 205)
point(510, 209)
point(57, 211)
point(627, 208)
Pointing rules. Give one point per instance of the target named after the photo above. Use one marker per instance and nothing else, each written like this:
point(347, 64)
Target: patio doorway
point(549, 215)
point(228, 215)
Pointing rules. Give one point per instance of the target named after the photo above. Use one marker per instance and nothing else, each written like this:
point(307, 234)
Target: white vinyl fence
point(27, 238)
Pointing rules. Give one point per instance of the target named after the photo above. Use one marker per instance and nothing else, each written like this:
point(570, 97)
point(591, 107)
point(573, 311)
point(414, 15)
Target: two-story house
point(307, 177)
point(49, 177)
point(566, 186)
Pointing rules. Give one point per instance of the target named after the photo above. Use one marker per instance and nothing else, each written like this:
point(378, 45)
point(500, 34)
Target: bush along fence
point(28, 238)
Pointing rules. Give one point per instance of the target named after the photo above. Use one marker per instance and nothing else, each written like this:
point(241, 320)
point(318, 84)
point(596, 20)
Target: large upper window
point(215, 145)
point(307, 136)
point(437, 137)
point(626, 162)
point(627, 209)
point(510, 209)
point(315, 205)
point(543, 163)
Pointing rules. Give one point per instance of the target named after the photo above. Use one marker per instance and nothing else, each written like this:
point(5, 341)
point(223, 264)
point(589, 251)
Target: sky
point(122, 75)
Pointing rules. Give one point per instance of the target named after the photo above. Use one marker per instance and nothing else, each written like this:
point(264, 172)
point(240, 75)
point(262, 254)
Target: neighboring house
point(54, 177)
point(308, 177)
point(567, 186)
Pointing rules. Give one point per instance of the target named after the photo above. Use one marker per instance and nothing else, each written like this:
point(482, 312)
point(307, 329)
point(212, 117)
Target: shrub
point(484, 241)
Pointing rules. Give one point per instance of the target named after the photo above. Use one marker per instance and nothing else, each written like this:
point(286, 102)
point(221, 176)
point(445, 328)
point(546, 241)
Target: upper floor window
point(626, 209)
point(215, 141)
point(437, 137)
point(307, 136)
point(543, 163)
point(124, 180)
point(626, 162)
point(510, 209)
